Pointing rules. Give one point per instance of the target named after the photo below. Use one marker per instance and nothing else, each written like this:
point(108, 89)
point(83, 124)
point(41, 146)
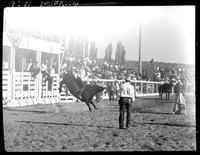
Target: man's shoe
point(128, 126)
point(122, 128)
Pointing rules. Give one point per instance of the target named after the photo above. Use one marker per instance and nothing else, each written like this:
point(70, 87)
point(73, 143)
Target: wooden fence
point(19, 89)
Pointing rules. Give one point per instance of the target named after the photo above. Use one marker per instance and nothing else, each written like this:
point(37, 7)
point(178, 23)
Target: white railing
point(142, 87)
point(19, 89)
point(6, 87)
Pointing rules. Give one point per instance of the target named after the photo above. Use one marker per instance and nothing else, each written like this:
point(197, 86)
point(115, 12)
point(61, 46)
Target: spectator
point(29, 65)
point(5, 64)
point(34, 69)
point(45, 74)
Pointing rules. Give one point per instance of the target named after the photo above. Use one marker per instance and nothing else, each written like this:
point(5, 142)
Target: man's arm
point(133, 94)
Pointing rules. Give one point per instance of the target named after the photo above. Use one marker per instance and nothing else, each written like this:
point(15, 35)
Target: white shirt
point(44, 67)
point(29, 66)
point(82, 73)
point(52, 71)
point(127, 90)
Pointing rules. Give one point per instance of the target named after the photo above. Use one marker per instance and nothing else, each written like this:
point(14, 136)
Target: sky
point(167, 32)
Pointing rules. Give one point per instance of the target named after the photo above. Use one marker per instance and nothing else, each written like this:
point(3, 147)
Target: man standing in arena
point(127, 97)
point(179, 106)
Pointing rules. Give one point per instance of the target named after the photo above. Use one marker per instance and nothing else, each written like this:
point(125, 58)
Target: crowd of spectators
point(165, 73)
point(48, 67)
point(92, 69)
point(100, 69)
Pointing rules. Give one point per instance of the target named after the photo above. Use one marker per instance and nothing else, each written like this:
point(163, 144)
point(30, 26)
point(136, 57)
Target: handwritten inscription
point(20, 3)
point(58, 3)
point(43, 3)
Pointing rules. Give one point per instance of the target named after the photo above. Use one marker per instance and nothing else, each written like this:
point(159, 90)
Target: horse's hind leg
point(93, 105)
point(167, 96)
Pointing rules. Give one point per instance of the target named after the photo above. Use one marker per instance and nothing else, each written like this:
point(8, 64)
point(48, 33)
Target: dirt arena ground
point(71, 127)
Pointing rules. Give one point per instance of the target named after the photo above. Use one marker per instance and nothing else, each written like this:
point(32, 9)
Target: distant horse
point(113, 90)
point(165, 88)
point(78, 90)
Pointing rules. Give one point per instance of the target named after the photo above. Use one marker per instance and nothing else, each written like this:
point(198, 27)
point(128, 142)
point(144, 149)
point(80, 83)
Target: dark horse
point(165, 88)
point(112, 90)
point(78, 90)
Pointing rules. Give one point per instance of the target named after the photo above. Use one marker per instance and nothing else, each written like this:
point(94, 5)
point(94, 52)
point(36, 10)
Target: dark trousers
point(34, 72)
point(45, 76)
point(124, 105)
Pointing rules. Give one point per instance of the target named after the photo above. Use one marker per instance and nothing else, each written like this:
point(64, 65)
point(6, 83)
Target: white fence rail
point(19, 89)
point(142, 87)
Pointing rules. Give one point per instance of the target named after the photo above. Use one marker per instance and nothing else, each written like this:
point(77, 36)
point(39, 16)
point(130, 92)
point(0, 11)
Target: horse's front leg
point(168, 95)
point(87, 103)
point(93, 105)
point(60, 86)
point(160, 96)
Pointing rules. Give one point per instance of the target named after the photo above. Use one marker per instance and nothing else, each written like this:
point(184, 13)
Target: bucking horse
point(84, 93)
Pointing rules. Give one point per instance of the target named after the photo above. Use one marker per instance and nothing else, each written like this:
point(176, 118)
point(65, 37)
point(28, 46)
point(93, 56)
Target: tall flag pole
point(140, 62)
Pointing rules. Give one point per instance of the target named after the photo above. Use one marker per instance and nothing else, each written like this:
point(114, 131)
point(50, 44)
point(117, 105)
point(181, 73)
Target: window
point(23, 58)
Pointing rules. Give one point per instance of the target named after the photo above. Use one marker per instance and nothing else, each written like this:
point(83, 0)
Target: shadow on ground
point(66, 124)
point(167, 124)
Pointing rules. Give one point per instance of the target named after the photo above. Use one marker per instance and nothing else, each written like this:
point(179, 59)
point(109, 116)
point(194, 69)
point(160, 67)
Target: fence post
point(141, 87)
point(12, 88)
point(28, 94)
point(157, 88)
point(57, 86)
point(21, 89)
point(7, 86)
point(38, 89)
point(135, 85)
point(147, 87)
point(152, 88)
